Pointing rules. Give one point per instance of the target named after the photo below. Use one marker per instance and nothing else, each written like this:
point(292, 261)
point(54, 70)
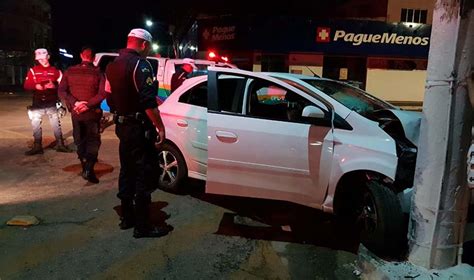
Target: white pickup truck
point(164, 68)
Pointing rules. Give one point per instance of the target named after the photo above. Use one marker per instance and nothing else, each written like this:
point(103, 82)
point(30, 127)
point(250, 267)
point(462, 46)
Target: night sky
point(104, 24)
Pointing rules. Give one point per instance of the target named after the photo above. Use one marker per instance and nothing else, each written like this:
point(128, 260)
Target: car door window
point(274, 102)
point(230, 93)
point(197, 95)
point(104, 61)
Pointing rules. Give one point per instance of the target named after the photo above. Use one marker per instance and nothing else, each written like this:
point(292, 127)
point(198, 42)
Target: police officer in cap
point(43, 80)
point(181, 75)
point(132, 98)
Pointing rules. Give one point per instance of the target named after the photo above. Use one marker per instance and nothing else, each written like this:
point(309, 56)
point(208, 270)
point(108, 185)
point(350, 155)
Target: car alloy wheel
point(367, 219)
point(172, 168)
point(380, 219)
point(169, 168)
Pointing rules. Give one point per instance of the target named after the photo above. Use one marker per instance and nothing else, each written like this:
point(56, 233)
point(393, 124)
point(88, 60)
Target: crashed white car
point(307, 140)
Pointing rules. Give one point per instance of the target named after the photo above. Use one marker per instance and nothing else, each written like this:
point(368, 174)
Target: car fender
point(349, 158)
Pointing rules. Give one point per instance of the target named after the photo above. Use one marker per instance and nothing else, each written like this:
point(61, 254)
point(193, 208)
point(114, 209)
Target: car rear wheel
point(173, 171)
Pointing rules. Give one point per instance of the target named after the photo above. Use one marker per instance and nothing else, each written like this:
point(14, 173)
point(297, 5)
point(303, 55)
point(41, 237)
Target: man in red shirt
point(43, 80)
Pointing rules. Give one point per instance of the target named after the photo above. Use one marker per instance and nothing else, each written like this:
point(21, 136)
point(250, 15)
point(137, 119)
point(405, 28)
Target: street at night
point(78, 236)
point(237, 140)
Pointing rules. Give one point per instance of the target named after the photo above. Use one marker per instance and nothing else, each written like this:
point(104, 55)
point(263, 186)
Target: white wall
point(257, 68)
point(394, 8)
point(396, 85)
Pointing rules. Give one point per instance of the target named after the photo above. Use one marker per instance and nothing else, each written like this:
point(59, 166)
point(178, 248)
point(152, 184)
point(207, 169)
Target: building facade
point(380, 46)
point(25, 25)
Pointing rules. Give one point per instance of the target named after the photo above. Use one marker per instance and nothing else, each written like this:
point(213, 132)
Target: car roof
point(295, 76)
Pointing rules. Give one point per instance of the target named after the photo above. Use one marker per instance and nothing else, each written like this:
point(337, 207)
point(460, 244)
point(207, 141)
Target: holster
point(30, 113)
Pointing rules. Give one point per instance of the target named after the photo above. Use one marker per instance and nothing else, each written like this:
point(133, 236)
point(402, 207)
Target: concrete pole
point(441, 196)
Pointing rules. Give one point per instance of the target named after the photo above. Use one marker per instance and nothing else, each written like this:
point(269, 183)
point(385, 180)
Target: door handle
point(226, 137)
point(182, 123)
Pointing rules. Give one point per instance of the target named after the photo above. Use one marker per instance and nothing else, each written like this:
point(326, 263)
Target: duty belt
point(137, 117)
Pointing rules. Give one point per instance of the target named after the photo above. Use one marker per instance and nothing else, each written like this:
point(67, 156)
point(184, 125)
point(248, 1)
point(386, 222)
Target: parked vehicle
point(307, 140)
point(164, 68)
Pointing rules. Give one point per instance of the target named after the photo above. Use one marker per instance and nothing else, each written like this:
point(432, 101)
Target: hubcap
point(367, 218)
point(169, 168)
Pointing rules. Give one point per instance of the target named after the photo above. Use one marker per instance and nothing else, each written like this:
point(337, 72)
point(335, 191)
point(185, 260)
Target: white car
point(307, 140)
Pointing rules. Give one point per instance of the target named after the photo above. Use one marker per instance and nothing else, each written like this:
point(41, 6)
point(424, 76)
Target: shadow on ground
point(100, 168)
point(278, 221)
point(158, 217)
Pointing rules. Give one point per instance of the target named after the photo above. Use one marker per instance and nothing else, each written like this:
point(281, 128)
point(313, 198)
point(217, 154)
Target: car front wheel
point(379, 217)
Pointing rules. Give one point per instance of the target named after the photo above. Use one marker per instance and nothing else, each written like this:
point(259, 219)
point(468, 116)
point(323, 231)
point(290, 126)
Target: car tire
point(379, 217)
point(172, 168)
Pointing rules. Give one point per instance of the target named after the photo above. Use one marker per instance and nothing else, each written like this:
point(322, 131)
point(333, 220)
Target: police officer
point(81, 89)
point(180, 76)
point(43, 80)
point(130, 80)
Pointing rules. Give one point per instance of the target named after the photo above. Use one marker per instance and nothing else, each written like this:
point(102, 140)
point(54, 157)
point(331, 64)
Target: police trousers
point(36, 116)
point(86, 135)
point(138, 162)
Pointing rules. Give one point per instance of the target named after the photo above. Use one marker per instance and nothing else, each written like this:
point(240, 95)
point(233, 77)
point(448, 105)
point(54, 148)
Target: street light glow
point(149, 23)
point(180, 47)
point(155, 47)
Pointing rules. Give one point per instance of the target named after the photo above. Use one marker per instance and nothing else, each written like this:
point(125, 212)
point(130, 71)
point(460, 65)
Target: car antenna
point(314, 74)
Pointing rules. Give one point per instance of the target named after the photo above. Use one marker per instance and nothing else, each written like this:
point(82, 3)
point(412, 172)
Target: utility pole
point(441, 196)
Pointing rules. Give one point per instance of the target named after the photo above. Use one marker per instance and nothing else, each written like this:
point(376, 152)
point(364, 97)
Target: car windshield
point(351, 97)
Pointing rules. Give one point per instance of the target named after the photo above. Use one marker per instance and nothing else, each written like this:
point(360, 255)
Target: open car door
point(266, 139)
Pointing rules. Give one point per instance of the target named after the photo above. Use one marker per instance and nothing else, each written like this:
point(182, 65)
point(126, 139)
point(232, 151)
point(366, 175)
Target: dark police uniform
point(84, 82)
point(132, 92)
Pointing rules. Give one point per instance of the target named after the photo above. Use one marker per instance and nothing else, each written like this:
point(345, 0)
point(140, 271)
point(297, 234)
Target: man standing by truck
point(182, 74)
point(43, 80)
point(82, 88)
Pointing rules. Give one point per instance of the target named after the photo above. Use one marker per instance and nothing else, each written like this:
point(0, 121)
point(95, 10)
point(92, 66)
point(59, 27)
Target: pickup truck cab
point(164, 68)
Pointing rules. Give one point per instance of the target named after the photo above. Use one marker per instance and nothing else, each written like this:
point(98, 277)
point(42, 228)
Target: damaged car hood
point(411, 122)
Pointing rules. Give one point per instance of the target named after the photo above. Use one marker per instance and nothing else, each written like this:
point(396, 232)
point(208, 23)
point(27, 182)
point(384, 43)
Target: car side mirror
point(312, 112)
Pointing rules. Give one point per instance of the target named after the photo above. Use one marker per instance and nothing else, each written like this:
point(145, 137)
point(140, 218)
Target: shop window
point(413, 15)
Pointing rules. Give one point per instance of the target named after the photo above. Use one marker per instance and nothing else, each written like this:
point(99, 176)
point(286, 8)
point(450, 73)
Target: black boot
point(127, 220)
point(61, 148)
point(143, 228)
point(83, 166)
point(89, 173)
point(37, 149)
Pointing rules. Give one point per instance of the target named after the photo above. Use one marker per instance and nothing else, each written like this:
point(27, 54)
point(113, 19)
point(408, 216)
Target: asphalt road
point(213, 237)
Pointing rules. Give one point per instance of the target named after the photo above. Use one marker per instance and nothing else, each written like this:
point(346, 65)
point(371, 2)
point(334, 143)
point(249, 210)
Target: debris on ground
point(23, 221)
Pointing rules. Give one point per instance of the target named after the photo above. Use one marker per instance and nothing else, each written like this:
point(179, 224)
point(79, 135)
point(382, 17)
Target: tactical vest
point(124, 99)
